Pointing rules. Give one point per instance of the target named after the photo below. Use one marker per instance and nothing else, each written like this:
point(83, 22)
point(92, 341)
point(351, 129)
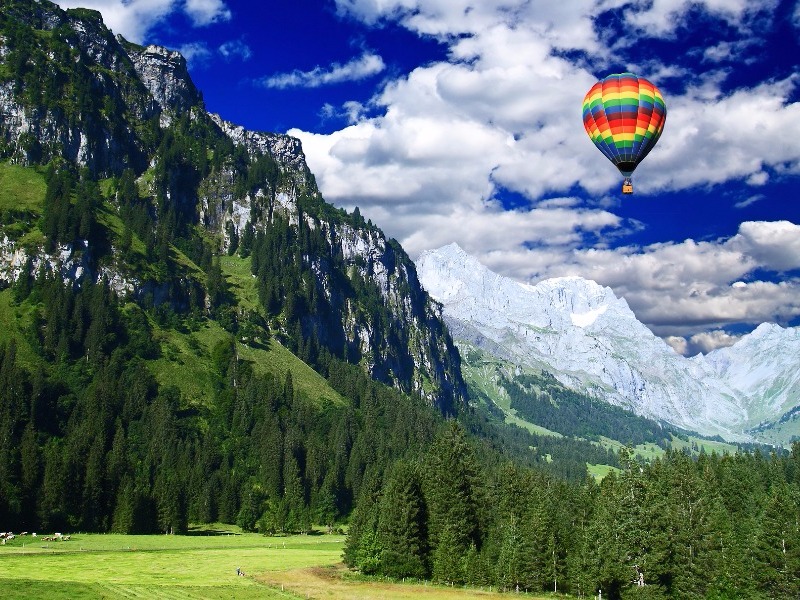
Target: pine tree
point(403, 524)
point(778, 545)
point(363, 549)
point(452, 490)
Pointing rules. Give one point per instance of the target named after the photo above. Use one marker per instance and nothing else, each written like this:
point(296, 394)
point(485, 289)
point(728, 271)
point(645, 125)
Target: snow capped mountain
point(591, 341)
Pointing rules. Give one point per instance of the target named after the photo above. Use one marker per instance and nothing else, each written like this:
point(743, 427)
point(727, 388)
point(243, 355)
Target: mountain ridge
point(593, 342)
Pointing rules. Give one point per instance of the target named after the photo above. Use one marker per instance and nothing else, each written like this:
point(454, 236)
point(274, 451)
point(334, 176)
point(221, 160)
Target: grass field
point(158, 566)
point(600, 471)
point(198, 566)
point(186, 363)
point(21, 188)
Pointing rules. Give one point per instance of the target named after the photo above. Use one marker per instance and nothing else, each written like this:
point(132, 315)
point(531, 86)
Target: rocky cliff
point(72, 93)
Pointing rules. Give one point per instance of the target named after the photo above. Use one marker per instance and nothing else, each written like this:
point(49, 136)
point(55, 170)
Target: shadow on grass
point(204, 530)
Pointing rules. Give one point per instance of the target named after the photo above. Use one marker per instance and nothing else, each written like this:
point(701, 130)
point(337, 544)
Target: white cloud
point(775, 245)
point(662, 17)
point(134, 19)
point(703, 342)
point(711, 340)
point(679, 344)
point(505, 84)
point(749, 201)
point(367, 65)
point(766, 127)
point(205, 12)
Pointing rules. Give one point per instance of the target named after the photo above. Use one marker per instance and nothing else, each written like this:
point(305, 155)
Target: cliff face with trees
point(166, 281)
point(74, 96)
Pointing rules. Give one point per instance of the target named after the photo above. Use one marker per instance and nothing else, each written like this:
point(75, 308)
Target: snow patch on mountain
point(591, 340)
point(587, 318)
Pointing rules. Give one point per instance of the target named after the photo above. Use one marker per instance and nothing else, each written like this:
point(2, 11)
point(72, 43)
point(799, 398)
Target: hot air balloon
point(624, 116)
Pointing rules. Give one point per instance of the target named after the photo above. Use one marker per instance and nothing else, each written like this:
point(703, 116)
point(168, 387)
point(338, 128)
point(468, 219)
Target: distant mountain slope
point(591, 341)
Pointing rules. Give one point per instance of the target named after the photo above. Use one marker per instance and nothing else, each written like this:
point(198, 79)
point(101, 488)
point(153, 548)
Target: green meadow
point(201, 565)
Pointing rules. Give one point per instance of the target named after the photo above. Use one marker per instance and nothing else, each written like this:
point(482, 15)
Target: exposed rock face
point(283, 148)
point(163, 72)
point(73, 121)
point(130, 94)
point(591, 341)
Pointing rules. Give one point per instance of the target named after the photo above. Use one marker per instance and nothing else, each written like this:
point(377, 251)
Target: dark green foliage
point(292, 264)
point(453, 491)
point(544, 401)
point(403, 524)
point(670, 529)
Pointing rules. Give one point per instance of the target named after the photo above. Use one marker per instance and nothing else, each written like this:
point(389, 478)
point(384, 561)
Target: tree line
point(718, 526)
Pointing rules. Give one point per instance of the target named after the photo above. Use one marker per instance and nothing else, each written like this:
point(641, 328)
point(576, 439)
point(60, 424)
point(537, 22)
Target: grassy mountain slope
point(185, 354)
point(531, 399)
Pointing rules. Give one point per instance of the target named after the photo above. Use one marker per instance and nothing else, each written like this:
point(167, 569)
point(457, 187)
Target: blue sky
point(460, 121)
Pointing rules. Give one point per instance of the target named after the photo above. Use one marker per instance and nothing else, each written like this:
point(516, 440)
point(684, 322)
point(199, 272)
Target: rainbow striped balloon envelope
point(624, 116)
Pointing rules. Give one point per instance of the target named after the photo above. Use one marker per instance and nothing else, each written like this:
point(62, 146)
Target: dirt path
point(331, 583)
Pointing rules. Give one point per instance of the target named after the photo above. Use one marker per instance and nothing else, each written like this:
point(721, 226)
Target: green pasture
point(201, 565)
point(186, 363)
point(696, 444)
point(22, 193)
point(600, 471)
point(647, 451)
point(158, 566)
point(21, 188)
point(16, 320)
point(240, 278)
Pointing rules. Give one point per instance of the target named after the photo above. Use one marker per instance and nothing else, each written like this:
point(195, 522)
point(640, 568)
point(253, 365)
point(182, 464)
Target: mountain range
point(592, 342)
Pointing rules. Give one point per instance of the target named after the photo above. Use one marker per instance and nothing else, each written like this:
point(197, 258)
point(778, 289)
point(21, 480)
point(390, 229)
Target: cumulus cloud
point(703, 342)
point(505, 82)
point(774, 245)
point(767, 125)
point(134, 19)
point(367, 65)
point(205, 12)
